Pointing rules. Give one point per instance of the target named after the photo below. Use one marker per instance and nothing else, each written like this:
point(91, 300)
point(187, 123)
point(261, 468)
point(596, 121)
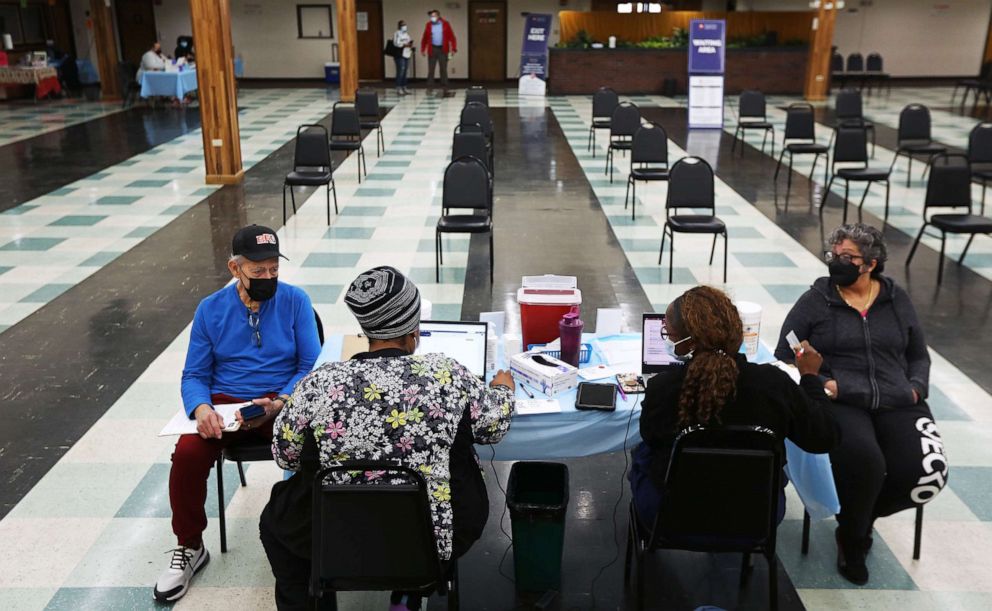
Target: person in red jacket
point(437, 43)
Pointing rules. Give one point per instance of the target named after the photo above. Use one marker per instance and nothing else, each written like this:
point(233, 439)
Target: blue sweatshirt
point(223, 359)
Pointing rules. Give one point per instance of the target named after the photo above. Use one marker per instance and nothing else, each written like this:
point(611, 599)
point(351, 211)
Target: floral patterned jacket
point(404, 409)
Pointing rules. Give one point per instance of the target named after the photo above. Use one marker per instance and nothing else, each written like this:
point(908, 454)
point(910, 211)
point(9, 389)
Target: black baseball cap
point(256, 243)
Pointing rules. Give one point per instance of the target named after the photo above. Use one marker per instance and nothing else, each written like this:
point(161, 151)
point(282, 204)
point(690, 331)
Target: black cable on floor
point(509, 538)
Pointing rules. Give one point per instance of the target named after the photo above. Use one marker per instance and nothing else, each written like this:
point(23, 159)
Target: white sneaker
point(174, 581)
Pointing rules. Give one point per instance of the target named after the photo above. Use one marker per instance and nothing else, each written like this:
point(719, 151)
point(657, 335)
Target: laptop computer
point(655, 356)
point(465, 342)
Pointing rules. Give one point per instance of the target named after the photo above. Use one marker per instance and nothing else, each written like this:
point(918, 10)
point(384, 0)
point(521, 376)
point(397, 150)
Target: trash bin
point(537, 496)
point(332, 72)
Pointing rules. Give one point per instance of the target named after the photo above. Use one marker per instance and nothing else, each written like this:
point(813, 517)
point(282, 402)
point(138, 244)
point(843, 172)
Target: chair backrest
point(604, 102)
point(466, 185)
point(650, 144)
point(751, 105)
point(848, 104)
point(949, 185)
point(625, 121)
point(344, 120)
point(475, 115)
point(874, 63)
point(477, 93)
point(986, 72)
point(469, 144)
point(126, 73)
point(799, 122)
point(914, 123)
point(851, 144)
point(690, 185)
point(980, 143)
point(836, 62)
point(721, 489)
point(355, 547)
point(855, 63)
point(312, 150)
point(367, 102)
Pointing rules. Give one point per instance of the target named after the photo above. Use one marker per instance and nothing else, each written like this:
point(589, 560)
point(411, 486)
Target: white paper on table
point(609, 321)
point(181, 424)
point(622, 352)
point(598, 372)
point(530, 407)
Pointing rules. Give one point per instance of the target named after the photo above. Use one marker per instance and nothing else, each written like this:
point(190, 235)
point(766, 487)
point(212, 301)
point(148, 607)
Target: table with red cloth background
point(45, 79)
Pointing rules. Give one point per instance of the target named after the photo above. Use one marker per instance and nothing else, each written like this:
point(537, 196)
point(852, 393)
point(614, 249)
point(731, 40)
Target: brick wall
point(573, 71)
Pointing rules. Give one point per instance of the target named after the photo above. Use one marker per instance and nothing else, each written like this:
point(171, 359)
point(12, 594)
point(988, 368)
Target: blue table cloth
point(574, 434)
point(168, 84)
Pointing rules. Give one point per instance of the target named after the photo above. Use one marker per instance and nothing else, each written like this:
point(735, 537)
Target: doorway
point(136, 24)
point(487, 40)
point(370, 40)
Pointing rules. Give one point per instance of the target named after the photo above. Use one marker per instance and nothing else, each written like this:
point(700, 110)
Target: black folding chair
point(477, 93)
point(751, 114)
point(248, 451)
point(875, 73)
point(648, 160)
point(130, 88)
point(346, 134)
point(367, 103)
point(690, 185)
point(914, 137)
point(972, 84)
point(466, 185)
point(604, 102)
point(917, 537)
point(849, 111)
point(980, 155)
point(851, 147)
point(356, 547)
point(475, 116)
point(837, 70)
point(800, 139)
point(950, 187)
point(624, 123)
point(856, 69)
point(721, 494)
point(470, 144)
point(311, 167)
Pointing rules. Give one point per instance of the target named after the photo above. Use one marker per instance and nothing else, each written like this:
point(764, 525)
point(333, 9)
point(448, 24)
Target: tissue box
point(544, 372)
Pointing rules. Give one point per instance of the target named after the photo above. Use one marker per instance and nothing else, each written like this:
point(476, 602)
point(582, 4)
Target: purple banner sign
point(707, 40)
point(534, 49)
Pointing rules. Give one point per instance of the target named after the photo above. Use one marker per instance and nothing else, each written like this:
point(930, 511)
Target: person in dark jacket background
point(877, 369)
point(718, 386)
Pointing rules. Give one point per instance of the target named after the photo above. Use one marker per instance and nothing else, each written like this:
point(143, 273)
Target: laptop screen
point(463, 341)
point(655, 355)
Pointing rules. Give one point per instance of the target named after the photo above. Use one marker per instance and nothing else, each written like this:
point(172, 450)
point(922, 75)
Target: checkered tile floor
point(24, 119)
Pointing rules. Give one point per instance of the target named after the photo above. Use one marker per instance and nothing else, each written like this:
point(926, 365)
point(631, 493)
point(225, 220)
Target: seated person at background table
point(424, 412)
point(184, 48)
point(877, 370)
point(152, 61)
point(251, 340)
point(718, 386)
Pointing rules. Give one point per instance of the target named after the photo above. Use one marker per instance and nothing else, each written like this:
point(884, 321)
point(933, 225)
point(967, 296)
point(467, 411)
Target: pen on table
point(623, 395)
point(527, 392)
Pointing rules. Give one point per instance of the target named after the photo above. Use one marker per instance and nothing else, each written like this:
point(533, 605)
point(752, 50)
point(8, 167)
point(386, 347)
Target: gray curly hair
point(870, 241)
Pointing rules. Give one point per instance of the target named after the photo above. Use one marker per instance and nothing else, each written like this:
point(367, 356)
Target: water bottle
point(570, 331)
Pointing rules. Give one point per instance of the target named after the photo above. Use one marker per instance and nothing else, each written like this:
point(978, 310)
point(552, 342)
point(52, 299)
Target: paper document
point(598, 372)
point(609, 321)
point(530, 407)
point(181, 424)
point(622, 352)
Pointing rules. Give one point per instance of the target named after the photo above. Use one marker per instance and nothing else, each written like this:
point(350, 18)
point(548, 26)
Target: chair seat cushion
point(370, 124)
point(600, 123)
point(962, 223)
point(464, 223)
point(621, 144)
point(863, 174)
point(807, 147)
point(984, 173)
point(922, 146)
point(696, 223)
point(649, 173)
point(345, 145)
point(756, 125)
point(308, 178)
point(856, 123)
point(249, 451)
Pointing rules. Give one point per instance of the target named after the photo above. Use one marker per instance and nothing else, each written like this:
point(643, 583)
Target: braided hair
point(711, 319)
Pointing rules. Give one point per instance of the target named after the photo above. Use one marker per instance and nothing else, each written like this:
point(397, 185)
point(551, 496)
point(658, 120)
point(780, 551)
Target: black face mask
point(843, 274)
point(262, 289)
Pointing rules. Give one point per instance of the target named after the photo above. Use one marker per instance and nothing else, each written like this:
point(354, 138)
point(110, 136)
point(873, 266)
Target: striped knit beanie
point(385, 302)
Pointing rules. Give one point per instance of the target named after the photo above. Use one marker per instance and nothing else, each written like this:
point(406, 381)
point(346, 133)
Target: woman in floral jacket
point(423, 412)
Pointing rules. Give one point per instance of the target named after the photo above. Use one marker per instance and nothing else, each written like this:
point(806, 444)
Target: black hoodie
point(877, 361)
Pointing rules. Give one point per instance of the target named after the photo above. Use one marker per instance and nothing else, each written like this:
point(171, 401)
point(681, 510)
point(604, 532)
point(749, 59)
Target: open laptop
point(655, 356)
point(463, 341)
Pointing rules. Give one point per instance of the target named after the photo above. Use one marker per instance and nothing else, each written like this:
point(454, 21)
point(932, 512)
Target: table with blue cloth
point(572, 433)
point(170, 84)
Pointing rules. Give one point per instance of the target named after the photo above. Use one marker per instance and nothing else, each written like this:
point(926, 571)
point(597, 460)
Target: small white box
point(544, 372)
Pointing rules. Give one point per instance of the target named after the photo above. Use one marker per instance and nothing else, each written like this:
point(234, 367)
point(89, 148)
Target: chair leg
point(292, 197)
point(918, 536)
point(492, 257)
point(327, 193)
point(872, 130)
point(966, 247)
point(222, 520)
point(826, 193)
point(725, 250)
point(592, 132)
point(671, 258)
point(788, 180)
point(764, 139)
point(804, 544)
point(609, 155)
point(241, 474)
point(909, 168)
point(284, 204)
point(664, 233)
point(847, 190)
point(626, 196)
point(861, 204)
point(983, 196)
point(773, 142)
point(633, 201)
point(778, 166)
point(733, 143)
point(713, 247)
point(940, 263)
point(885, 218)
point(916, 242)
point(437, 256)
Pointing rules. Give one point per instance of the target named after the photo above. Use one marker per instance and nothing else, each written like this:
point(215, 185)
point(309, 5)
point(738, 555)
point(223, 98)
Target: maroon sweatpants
point(192, 460)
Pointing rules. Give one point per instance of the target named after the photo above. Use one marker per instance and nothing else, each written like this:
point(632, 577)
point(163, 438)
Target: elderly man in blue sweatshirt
point(251, 341)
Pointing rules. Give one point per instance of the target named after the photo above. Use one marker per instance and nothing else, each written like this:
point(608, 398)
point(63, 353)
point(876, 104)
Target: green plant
point(581, 41)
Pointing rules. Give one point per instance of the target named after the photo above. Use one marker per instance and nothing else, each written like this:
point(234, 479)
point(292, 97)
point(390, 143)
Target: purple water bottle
point(570, 331)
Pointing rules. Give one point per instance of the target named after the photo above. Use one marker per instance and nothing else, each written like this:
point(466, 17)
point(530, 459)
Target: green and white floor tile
point(27, 119)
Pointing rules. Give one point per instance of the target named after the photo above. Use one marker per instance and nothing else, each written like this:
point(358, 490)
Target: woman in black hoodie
point(876, 369)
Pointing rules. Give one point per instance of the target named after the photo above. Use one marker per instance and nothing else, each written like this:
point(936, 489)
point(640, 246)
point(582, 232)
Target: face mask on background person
point(261, 289)
point(670, 346)
point(843, 273)
point(433, 18)
point(403, 28)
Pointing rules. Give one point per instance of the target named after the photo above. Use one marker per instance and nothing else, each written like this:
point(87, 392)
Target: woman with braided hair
point(717, 386)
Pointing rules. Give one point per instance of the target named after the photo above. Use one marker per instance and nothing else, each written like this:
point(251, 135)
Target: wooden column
point(348, 48)
point(106, 49)
point(217, 90)
point(820, 45)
